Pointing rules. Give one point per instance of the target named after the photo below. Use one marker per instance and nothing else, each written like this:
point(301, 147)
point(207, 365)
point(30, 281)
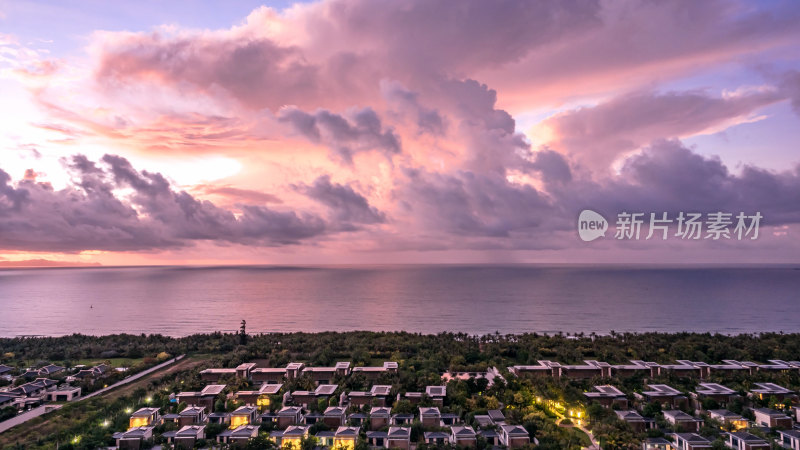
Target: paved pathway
point(26, 416)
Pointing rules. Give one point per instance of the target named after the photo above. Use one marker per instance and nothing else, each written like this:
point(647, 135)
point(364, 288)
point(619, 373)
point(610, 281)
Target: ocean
point(179, 301)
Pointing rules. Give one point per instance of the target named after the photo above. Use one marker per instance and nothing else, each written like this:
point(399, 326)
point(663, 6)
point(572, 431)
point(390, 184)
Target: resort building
point(608, 396)
point(681, 421)
point(345, 438)
point(133, 438)
point(789, 439)
point(635, 420)
point(186, 437)
point(379, 417)
point(717, 392)
point(726, 417)
point(690, 441)
point(238, 436)
point(430, 416)
point(514, 436)
point(765, 391)
point(661, 393)
point(244, 415)
point(399, 437)
point(772, 418)
point(205, 398)
point(144, 417)
point(741, 440)
point(260, 398)
point(463, 436)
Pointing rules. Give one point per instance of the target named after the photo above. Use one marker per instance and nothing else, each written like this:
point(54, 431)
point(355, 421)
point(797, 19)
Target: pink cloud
point(597, 136)
point(390, 127)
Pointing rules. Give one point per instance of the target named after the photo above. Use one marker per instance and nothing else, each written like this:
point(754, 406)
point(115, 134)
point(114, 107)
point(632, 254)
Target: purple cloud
point(349, 208)
point(598, 135)
point(90, 215)
point(344, 136)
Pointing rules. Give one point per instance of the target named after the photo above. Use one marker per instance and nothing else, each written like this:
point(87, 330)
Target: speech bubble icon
point(591, 225)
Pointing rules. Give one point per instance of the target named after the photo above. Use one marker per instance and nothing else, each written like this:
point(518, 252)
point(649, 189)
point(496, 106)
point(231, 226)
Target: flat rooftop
point(605, 391)
point(770, 388)
point(714, 389)
point(212, 389)
point(661, 390)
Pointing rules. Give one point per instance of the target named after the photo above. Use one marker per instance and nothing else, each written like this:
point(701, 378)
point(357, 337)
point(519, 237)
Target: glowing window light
point(237, 421)
point(137, 422)
point(292, 443)
point(344, 444)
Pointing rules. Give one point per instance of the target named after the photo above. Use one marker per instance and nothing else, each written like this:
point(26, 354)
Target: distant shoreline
point(50, 264)
point(618, 335)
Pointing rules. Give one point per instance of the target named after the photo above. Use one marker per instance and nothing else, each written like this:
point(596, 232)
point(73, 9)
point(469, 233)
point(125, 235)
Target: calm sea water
point(179, 301)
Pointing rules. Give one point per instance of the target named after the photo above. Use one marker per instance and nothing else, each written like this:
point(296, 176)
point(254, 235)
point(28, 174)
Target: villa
point(259, 398)
point(205, 398)
point(238, 436)
point(289, 415)
point(186, 437)
point(741, 440)
point(144, 417)
point(65, 393)
point(324, 375)
point(191, 415)
point(399, 437)
point(345, 437)
point(438, 438)
point(690, 441)
point(463, 436)
point(766, 390)
point(133, 438)
point(373, 373)
point(263, 375)
point(717, 392)
point(608, 396)
point(666, 395)
point(726, 417)
point(635, 420)
point(244, 415)
point(437, 394)
point(430, 416)
point(681, 421)
point(772, 418)
point(334, 416)
point(514, 436)
point(379, 417)
point(789, 439)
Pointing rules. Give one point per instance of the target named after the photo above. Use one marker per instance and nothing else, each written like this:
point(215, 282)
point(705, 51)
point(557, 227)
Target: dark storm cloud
point(92, 215)
point(668, 177)
point(466, 203)
point(347, 206)
point(345, 136)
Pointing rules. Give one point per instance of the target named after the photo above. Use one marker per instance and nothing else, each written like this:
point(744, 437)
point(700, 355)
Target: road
point(36, 412)
point(134, 377)
point(26, 416)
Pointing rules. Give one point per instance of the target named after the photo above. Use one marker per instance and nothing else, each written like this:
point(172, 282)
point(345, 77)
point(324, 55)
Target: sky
point(383, 132)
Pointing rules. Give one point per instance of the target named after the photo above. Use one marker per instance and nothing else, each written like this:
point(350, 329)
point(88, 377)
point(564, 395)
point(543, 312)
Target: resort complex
point(348, 406)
